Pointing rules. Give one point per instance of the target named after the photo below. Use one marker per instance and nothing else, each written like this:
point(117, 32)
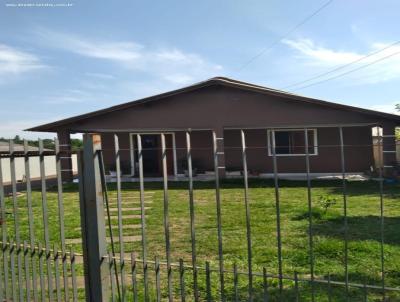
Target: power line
point(347, 72)
point(284, 36)
point(341, 66)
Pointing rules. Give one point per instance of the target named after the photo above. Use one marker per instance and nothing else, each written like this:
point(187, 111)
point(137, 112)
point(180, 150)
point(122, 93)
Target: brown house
point(274, 122)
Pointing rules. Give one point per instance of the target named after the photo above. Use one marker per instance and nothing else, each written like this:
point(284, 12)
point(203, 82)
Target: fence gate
point(189, 237)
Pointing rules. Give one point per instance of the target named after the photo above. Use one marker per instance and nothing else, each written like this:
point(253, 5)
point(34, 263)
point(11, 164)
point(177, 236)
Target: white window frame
point(132, 137)
point(272, 144)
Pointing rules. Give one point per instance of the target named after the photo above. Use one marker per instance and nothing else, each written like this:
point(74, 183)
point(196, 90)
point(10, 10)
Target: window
point(291, 142)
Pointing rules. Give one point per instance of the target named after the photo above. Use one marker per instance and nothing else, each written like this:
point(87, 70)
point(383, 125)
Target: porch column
point(388, 148)
point(64, 139)
point(219, 135)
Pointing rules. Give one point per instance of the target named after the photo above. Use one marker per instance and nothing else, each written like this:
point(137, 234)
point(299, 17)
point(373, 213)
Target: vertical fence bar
point(105, 196)
point(110, 261)
point(4, 236)
point(41, 273)
point(49, 273)
point(182, 280)
point(296, 286)
point(143, 218)
point(382, 219)
point(278, 213)
point(1, 279)
point(157, 271)
point(235, 282)
point(45, 219)
point(365, 290)
point(27, 274)
point(30, 219)
point(94, 244)
point(192, 216)
point(119, 208)
point(134, 282)
point(73, 276)
point(208, 282)
point(265, 284)
point(56, 258)
point(219, 221)
point(247, 208)
point(310, 218)
point(344, 190)
point(12, 266)
point(329, 288)
point(16, 221)
point(61, 218)
point(166, 215)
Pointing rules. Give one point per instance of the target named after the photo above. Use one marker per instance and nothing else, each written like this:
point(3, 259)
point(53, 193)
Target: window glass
point(292, 142)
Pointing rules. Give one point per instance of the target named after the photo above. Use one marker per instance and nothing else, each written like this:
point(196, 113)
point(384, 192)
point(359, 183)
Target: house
point(225, 106)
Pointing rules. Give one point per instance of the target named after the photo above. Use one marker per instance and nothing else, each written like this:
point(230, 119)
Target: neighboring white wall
point(49, 163)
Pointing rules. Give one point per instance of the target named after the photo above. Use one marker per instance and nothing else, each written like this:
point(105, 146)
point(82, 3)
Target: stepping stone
point(126, 217)
point(124, 203)
point(73, 240)
point(128, 226)
point(115, 227)
point(127, 209)
point(78, 260)
point(127, 239)
point(80, 280)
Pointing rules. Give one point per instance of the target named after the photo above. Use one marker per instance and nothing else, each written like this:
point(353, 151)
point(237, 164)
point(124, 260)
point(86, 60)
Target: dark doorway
point(151, 160)
point(152, 155)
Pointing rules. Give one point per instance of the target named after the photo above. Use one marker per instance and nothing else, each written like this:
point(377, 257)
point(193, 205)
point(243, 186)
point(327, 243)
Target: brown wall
point(218, 107)
point(108, 147)
point(202, 153)
point(358, 151)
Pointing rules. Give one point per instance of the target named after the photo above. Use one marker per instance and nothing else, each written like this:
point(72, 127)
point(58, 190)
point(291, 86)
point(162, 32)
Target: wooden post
point(65, 154)
point(388, 149)
point(219, 136)
point(92, 221)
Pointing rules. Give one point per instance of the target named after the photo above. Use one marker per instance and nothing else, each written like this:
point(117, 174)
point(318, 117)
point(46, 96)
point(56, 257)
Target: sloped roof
point(213, 81)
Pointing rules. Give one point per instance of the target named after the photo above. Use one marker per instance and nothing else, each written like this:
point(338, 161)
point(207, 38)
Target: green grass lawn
point(363, 232)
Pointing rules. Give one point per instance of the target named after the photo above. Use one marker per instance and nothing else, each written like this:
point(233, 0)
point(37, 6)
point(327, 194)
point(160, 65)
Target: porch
point(323, 144)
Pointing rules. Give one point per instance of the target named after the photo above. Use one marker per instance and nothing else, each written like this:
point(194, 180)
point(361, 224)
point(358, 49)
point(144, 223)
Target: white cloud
point(97, 75)
point(324, 58)
point(388, 108)
point(69, 96)
point(11, 128)
point(14, 61)
point(321, 55)
point(170, 64)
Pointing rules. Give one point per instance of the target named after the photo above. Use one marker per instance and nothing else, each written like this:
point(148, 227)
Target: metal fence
point(36, 264)
point(202, 280)
point(42, 228)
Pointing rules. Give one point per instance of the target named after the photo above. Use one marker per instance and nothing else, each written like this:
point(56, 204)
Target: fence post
point(92, 221)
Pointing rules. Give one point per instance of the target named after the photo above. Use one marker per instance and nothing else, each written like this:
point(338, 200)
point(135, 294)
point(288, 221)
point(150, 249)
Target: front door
point(151, 160)
point(152, 155)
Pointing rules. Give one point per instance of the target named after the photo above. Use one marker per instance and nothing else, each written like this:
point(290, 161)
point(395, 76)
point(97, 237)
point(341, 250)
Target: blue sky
point(57, 62)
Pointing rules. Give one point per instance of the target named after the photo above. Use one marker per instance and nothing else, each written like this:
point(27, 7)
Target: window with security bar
point(292, 142)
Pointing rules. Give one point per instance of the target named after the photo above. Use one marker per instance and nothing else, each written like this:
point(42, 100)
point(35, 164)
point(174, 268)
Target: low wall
point(34, 165)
